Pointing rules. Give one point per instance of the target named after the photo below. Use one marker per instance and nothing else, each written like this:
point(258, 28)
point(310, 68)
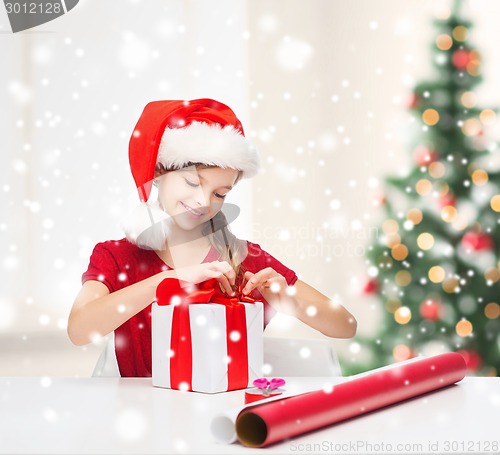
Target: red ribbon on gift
point(171, 292)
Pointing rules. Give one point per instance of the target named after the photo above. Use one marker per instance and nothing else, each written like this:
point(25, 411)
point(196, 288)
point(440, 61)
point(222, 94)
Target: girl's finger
point(267, 274)
point(222, 279)
point(227, 270)
point(231, 274)
point(246, 278)
point(264, 278)
point(248, 275)
point(251, 284)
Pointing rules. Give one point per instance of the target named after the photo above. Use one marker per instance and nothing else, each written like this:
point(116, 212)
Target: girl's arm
point(97, 312)
point(304, 302)
point(321, 313)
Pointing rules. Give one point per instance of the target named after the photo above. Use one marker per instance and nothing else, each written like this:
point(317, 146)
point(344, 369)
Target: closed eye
point(194, 185)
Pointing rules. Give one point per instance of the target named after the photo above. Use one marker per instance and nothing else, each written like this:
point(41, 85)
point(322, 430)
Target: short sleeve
point(258, 259)
point(102, 267)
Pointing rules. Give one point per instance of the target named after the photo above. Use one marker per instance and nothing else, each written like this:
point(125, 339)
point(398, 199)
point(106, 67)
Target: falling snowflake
point(293, 54)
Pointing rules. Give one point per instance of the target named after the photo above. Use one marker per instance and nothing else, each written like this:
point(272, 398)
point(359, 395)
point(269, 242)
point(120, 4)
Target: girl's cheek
point(214, 209)
point(173, 193)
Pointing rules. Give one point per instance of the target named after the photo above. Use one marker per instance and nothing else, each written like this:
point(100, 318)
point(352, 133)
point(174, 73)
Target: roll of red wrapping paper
point(267, 423)
point(253, 395)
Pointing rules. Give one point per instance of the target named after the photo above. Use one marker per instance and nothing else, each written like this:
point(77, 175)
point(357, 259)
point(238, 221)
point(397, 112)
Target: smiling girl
point(194, 152)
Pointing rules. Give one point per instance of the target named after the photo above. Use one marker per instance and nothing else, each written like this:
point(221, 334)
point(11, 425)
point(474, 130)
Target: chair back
point(285, 356)
point(301, 357)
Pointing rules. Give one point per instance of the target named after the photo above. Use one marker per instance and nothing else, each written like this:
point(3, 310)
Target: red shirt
point(119, 264)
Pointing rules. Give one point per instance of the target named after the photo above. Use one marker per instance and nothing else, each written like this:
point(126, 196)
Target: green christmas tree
point(435, 265)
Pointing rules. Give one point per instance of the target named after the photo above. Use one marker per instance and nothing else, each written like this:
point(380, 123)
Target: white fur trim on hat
point(215, 145)
point(147, 226)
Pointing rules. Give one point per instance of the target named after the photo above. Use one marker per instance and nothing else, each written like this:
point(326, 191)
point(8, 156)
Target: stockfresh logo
point(28, 14)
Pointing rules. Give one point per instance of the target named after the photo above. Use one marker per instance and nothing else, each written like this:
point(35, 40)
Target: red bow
point(172, 292)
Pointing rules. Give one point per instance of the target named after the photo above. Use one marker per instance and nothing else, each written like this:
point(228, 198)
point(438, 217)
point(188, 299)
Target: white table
point(113, 415)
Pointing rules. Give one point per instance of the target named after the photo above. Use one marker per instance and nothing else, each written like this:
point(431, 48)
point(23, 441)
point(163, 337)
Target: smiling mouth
point(193, 211)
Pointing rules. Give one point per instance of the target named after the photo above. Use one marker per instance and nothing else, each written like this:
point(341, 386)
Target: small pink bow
point(268, 386)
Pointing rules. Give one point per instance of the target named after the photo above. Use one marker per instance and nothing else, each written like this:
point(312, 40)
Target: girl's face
point(192, 196)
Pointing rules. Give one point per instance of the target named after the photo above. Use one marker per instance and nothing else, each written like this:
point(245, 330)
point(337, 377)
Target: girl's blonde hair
point(217, 231)
point(231, 249)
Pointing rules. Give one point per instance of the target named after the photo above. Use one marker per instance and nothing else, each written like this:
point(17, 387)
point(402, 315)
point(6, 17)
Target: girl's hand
point(220, 270)
point(272, 286)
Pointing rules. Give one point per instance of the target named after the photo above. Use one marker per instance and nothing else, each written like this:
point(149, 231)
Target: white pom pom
point(147, 226)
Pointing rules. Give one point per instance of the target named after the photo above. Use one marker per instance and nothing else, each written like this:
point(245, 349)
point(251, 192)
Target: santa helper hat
point(175, 134)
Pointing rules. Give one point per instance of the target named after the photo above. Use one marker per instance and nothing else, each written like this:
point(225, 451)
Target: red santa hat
point(175, 134)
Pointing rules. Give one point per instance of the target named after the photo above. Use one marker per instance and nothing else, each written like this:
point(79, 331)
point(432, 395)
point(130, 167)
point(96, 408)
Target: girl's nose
point(202, 198)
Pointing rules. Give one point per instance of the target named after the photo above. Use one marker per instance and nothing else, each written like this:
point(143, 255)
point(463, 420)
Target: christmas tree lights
point(436, 262)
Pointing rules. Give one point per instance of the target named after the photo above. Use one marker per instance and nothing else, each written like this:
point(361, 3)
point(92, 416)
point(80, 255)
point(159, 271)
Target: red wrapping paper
point(267, 423)
point(257, 395)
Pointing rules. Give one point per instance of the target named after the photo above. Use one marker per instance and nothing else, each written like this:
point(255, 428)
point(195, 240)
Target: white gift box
point(209, 335)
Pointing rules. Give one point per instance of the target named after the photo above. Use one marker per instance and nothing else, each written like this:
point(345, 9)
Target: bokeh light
point(425, 241)
point(480, 177)
point(414, 215)
point(495, 203)
point(436, 274)
point(471, 127)
point(468, 99)
point(474, 63)
point(403, 278)
point(392, 240)
point(492, 310)
point(401, 352)
point(460, 33)
point(451, 285)
point(492, 274)
point(391, 305)
point(423, 187)
point(437, 170)
point(430, 117)
point(399, 252)
point(463, 328)
point(444, 42)
point(487, 117)
point(402, 315)
point(448, 213)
